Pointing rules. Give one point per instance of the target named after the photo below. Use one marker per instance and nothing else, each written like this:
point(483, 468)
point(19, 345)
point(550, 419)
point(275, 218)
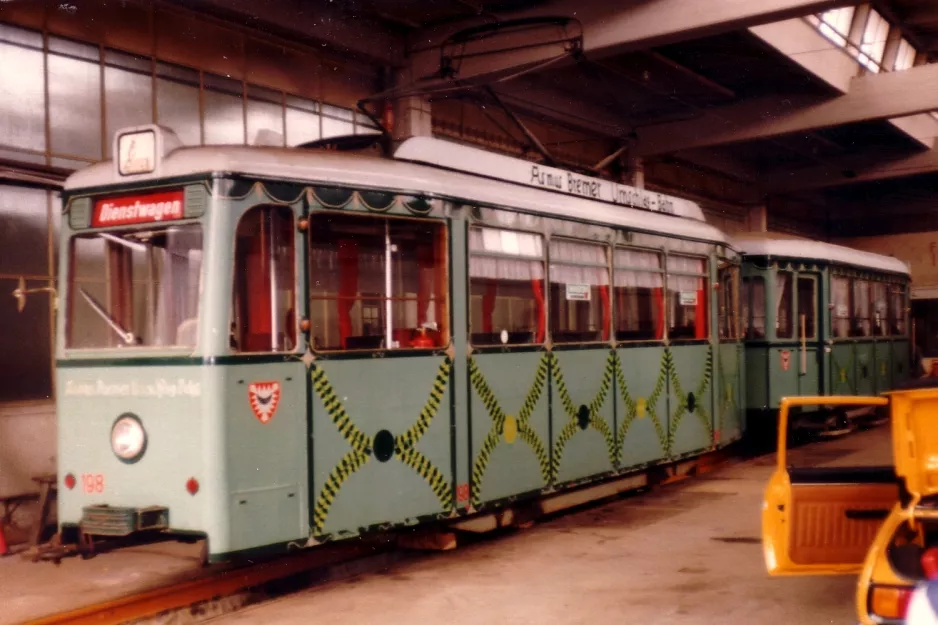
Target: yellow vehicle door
point(822, 520)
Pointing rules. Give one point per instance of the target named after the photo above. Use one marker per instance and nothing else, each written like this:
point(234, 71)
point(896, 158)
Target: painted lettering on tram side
point(159, 388)
point(595, 189)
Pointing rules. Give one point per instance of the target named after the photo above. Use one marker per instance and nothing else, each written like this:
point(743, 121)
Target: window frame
point(545, 266)
point(299, 341)
point(605, 333)
point(446, 332)
point(814, 278)
point(792, 331)
point(707, 287)
point(662, 271)
point(731, 270)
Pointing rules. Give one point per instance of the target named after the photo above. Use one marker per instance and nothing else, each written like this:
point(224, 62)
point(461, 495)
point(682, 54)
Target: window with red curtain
point(506, 285)
point(579, 292)
point(363, 267)
point(639, 295)
point(264, 301)
point(688, 297)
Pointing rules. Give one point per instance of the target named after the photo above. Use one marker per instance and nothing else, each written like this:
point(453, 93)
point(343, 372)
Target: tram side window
point(783, 305)
point(840, 298)
point(861, 308)
point(687, 291)
point(506, 285)
point(264, 301)
point(377, 283)
point(896, 310)
point(754, 307)
point(880, 303)
point(807, 310)
point(639, 295)
point(729, 303)
point(579, 292)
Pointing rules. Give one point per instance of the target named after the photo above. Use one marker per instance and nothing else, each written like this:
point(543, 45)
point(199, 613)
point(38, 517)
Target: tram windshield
point(135, 288)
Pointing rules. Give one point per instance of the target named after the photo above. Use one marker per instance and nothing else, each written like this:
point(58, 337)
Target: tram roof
point(784, 247)
point(397, 175)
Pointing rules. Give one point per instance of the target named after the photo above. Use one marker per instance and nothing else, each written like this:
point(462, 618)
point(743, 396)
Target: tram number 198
point(92, 482)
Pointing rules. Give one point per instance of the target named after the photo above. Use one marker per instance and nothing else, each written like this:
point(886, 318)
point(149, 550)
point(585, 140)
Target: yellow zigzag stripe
point(350, 463)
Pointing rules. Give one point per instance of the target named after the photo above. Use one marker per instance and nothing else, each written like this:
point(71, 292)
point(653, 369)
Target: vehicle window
point(135, 288)
point(757, 291)
point(639, 293)
point(784, 329)
point(861, 308)
point(878, 294)
point(688, 287)
point(377, 283)
point(263, 315)
point(807, 307)
point(579, 292)
point(840, 298)
point(506, 285)
point(729, 303)
point(897, 314)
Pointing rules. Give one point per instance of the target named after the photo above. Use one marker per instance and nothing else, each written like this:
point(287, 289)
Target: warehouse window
point(873, 41)
point(506, 278)
point(264, 303)
point(377, 283)
point(835, 24)
point(639, 295)
point(783, 305)
point(905, 56)
point(688, 284)
point(579, 292)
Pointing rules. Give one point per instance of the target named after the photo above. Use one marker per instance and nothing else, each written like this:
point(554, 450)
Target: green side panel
point(510, 424)
point(381, 441)
point(757, 391)
point(728, 387)
point(784, 375)
point(866, 368)
point(265, 412)
point(641, 405)
point(882, 367)
point(901, 362)
point(582, 414)
point(809, 382)
point(690, 423)
point(843, 369)
point(184, 440)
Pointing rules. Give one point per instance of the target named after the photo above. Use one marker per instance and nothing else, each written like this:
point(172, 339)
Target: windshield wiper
point(127, 337)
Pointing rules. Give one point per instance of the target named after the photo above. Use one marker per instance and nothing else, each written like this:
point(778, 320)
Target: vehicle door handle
point(866, 515)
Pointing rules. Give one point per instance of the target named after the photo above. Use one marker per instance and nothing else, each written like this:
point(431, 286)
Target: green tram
point(272, 348)
point(819, 319)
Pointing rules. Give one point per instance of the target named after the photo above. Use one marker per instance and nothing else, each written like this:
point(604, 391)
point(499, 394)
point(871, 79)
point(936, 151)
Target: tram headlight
point(128, 438)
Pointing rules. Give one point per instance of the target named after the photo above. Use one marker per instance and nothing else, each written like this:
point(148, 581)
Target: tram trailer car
point(272, 348)
point(819, 319)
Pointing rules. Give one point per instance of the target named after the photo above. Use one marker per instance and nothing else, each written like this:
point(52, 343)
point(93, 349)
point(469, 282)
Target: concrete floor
point(684, 553)
point(688, 553)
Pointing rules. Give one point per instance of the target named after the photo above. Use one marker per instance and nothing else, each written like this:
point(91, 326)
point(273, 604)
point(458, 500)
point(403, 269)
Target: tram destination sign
point(510, 169)
point(138, 209)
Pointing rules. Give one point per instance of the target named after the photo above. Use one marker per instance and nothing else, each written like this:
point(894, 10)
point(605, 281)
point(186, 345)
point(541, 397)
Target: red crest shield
point(786, 359)
point(264, 398)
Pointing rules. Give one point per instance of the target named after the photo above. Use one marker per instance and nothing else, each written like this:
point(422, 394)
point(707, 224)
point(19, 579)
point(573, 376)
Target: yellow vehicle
point(873, 521)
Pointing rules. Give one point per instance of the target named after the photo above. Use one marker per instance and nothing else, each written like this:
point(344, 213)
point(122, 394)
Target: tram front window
point(136, 288)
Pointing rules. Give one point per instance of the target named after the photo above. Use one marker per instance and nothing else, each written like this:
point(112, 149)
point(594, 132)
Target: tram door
point(808, 356)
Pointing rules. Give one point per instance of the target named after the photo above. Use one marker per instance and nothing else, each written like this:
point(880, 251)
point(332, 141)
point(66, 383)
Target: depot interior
point(773, 121)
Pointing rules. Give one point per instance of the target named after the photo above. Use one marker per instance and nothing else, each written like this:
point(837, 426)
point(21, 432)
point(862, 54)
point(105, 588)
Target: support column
point(635, 172)
point(757, 218)
point(412, 118)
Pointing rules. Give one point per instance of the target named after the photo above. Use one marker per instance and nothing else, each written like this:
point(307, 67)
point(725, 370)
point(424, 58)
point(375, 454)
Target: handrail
point(815, 400)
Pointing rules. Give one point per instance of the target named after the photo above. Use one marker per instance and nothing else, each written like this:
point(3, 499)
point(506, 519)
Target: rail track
point(269, 578)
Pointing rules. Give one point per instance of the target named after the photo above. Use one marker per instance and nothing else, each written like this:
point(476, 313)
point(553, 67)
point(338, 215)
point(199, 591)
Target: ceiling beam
point(871, 97)
point(608, 28)
point(851, 170)
point(921, 16)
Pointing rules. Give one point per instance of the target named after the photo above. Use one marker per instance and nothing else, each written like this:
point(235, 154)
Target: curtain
point(861, 306)
point(348, 259)
point(880, 308)
point(840, 295)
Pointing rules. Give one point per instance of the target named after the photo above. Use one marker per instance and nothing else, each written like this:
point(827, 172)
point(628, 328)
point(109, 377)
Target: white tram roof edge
point(326, 167)
point(783, 247)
